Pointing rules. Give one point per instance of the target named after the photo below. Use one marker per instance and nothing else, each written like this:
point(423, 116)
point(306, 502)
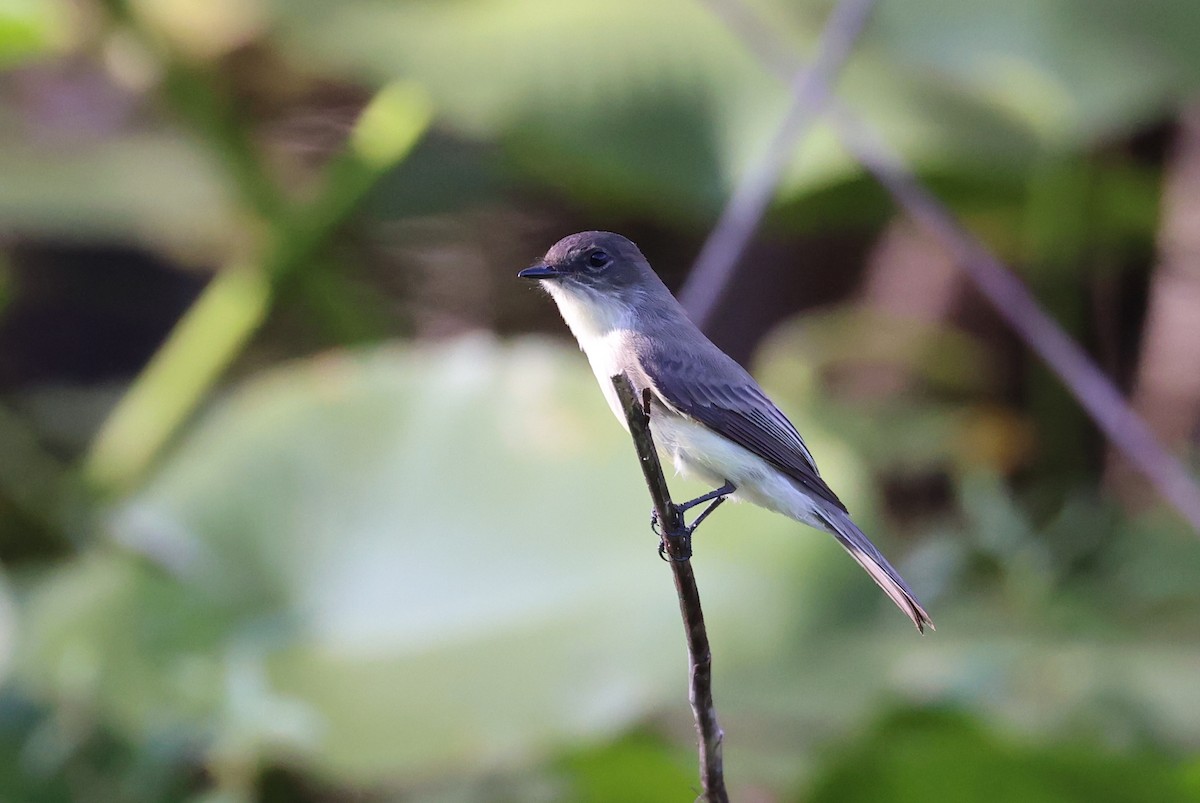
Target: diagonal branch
point(1094, 391)
point(676, 540)
point(810, 94)
point(202, 344)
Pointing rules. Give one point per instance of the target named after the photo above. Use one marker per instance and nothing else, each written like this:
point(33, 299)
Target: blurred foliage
point(420, 570)
point(280, 616)
point(918, 755)
point(28, 28)
point(300, 586)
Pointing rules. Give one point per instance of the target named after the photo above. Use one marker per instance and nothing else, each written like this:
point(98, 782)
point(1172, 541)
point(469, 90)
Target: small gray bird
point(707, 414)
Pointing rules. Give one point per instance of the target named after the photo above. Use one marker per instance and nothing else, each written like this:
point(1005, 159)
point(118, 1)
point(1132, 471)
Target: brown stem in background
point(1167, 386)
point(909, 280)
point(676, 541)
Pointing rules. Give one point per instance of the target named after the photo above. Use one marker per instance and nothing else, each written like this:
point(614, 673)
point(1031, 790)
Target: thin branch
point(1094, 391)
point(677, 547)
point(810, 94)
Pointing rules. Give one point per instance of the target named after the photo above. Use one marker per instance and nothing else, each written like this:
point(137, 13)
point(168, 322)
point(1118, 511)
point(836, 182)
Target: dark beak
point(539, 272)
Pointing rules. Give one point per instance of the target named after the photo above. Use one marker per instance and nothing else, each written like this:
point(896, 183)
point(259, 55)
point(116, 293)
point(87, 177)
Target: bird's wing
point(731, 403)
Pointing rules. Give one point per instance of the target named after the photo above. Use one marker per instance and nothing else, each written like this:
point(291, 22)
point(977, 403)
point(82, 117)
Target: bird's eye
point(598, 259)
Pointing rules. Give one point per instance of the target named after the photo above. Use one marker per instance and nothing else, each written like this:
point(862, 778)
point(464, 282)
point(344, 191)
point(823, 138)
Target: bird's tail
point(862, 550)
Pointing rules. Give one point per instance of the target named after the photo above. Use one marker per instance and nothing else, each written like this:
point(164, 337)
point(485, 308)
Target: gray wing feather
point(717, 392)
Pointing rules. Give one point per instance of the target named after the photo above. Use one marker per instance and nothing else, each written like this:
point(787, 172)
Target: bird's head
point(596, 261)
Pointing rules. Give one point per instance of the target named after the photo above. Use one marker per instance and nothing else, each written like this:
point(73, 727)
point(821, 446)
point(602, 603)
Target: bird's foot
point(679, 529)
point(682, 549)
point(675, 532)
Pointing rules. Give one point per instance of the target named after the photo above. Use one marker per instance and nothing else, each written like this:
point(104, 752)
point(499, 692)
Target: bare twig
point(676, 541)
point(1094, 391)
point(810, 93)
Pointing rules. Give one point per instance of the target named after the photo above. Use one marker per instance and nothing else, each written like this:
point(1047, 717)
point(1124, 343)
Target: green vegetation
point(303, 511)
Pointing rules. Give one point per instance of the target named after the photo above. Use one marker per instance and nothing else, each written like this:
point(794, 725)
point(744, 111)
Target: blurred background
point(304, 497)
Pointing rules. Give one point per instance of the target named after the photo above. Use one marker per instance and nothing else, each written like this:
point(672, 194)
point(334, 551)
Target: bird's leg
point(716, 503)
point(719, 494)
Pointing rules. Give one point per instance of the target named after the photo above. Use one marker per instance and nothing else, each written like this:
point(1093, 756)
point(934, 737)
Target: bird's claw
point(680, 531)
point(685, 547)
point(665, 554)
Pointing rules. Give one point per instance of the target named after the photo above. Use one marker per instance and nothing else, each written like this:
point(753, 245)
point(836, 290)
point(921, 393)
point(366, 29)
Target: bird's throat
point(589, 315)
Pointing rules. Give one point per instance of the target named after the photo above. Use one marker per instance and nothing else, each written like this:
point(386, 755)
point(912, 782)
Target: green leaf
point(922, 755)
point(30, 28)
point(638, 768)
point(157, 188)
point(657, 108)
point(397, 564)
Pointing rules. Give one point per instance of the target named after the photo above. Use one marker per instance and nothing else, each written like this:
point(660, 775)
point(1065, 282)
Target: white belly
point(699, 453)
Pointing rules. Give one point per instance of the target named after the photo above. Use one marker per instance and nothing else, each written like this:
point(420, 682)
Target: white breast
point(601, 326)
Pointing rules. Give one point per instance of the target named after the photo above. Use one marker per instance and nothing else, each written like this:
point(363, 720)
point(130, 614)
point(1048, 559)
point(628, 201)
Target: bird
point(708, 416)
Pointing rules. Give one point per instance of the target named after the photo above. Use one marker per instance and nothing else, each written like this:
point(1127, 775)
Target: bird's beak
point(539, 272)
